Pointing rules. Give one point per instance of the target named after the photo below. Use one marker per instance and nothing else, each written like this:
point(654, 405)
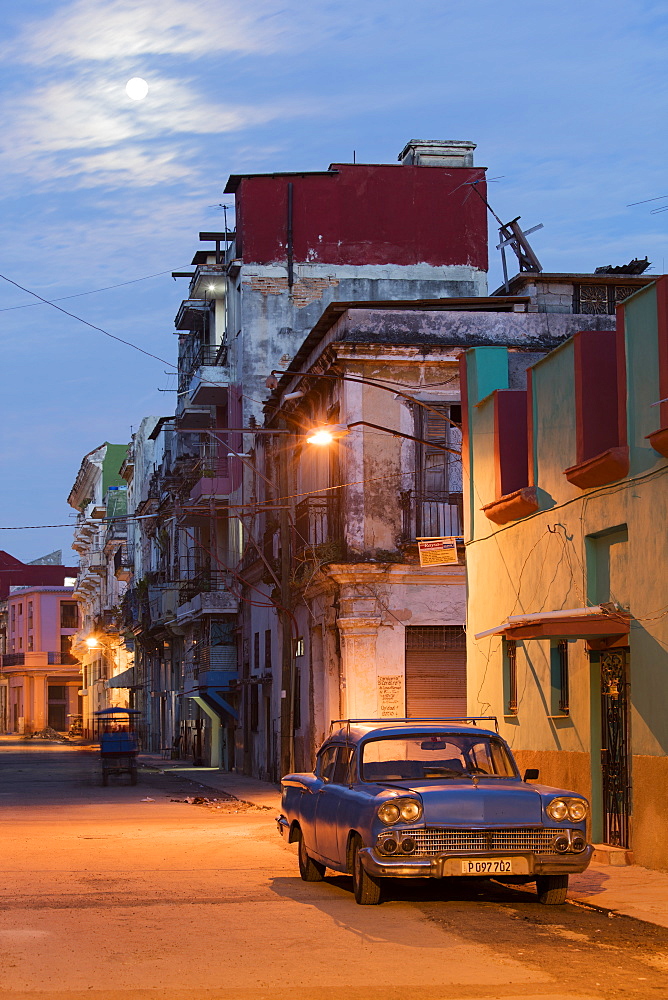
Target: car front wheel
point(552, 889)
point(365, 887)
point(310, 870)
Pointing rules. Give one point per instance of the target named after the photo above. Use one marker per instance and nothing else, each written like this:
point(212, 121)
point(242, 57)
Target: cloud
point(86, 126)
point(100, 30)
point(103, 30)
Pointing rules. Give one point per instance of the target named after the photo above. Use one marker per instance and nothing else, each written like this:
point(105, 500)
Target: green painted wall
point(113, 460)
point(582, 547)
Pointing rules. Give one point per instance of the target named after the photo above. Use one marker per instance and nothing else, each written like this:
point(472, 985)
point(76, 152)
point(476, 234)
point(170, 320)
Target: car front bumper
point(449, 865)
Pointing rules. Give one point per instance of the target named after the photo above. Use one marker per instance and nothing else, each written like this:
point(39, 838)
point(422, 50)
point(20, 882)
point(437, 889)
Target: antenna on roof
point(512, 235)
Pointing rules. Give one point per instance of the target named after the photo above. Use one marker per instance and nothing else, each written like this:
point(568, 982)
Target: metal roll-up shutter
point(435, 671)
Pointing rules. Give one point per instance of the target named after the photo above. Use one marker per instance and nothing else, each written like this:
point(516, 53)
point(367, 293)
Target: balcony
point(208, 385)
point(97, 562)
point(431, 515)
point(204, 582)
point(122, 564)
point(317, 523)
point(38, 659)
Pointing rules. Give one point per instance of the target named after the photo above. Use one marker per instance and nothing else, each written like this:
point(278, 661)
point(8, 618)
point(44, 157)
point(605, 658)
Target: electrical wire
point(79, 319)
point(93, 291)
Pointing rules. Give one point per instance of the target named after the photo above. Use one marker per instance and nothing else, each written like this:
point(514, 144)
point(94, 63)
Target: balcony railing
point(62, 659)
point(202, 355)
point(431, 515)
point(317, 522)
point(13, 659)
point(31, 659)
point(203, 582)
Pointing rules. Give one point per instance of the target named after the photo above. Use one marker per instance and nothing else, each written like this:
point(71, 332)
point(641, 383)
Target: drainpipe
point(289, 239)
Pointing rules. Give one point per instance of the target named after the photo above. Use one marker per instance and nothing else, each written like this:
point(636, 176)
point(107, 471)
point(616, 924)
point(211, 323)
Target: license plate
point(480, 866)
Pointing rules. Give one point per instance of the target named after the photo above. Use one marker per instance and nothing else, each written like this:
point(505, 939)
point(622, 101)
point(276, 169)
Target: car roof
point(361, 732)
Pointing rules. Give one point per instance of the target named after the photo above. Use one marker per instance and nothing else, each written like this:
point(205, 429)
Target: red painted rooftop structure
point(14, 573)
point(359, 213)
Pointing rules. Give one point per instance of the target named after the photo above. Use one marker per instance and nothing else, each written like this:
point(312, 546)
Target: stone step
point(605, 854)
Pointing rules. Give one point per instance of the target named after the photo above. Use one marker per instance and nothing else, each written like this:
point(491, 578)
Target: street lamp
point(328, 433)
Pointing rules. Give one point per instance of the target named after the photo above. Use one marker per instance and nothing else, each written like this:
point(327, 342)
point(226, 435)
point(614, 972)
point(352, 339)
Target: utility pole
point(287, 673)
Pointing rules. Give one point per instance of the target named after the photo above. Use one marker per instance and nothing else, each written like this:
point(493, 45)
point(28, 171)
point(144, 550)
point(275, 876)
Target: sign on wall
point(391, 697)
point(438, 551)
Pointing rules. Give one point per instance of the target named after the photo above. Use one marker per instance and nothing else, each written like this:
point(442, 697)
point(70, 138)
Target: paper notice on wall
point(391, 697)
point(437, 551)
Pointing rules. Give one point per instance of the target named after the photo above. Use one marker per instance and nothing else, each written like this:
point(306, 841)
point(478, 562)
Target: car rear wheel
point(552, 889)
point(310, 870)
point(365, 886)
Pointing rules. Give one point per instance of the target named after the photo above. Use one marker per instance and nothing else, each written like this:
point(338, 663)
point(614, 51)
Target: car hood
point(497, 803)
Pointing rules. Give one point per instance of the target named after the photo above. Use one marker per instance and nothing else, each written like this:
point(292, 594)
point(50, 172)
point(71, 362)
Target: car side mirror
point(531, 774)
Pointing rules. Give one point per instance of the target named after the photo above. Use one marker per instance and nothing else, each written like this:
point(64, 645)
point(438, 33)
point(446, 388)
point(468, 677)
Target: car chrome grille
point(433, 840)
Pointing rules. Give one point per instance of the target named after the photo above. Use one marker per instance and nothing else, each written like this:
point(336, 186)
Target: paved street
point(108, 896)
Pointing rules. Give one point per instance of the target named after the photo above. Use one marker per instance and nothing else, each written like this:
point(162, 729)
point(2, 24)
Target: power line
point(93, 291)
point(72, 315)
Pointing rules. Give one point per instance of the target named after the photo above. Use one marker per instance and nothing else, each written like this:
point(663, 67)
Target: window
point(326, 763)
point(297, 694)
point(30, 644)
point(559, 677)
point(437, 499)
point(510, 676)
point(343, 767)
point(299, 646)
point(69, 614)
point(29, 614)
point(600, 410)
point(256, 652)
point(254, 708)
point(267, 650)
point(434, 756)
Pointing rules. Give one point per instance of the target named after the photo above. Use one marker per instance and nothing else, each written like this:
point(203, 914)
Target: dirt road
point(108, 896)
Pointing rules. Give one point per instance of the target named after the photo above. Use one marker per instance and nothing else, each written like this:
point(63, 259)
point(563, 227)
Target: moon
point(136, 88)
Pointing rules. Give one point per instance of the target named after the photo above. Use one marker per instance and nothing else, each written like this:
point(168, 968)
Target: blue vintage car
point(414, 798)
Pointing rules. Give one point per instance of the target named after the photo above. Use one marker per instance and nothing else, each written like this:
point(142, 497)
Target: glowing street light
point(328, 433)
point(92, 642)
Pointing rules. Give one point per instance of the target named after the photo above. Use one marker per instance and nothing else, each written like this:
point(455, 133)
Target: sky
point(567, 103)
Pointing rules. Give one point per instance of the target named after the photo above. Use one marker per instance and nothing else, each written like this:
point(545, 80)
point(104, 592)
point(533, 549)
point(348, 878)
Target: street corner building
point(566, 499)
point(39, 616)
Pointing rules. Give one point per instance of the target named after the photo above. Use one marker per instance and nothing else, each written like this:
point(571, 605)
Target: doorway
point(57, 707)
point(435, 671)
point(615, 759)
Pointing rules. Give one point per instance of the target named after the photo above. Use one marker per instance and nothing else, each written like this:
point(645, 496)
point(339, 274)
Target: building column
point(359, 679)
point(39, 702)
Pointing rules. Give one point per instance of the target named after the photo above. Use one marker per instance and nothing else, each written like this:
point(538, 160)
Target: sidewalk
point(258, 793)
point(626, 889)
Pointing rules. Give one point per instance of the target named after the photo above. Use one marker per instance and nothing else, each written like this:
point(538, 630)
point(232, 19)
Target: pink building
point(41, 675)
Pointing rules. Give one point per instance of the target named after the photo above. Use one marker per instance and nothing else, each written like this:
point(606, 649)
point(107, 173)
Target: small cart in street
point(118, 742)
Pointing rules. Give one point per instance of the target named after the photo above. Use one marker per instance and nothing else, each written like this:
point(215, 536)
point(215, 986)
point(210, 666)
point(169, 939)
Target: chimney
point(437, 153)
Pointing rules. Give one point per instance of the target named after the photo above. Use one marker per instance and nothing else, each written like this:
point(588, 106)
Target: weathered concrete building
point(352, 625)
point(302, 241)
point(99, 496)
point(565, 507)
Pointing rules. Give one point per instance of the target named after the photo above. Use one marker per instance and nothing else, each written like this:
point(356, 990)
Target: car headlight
point(577, 810)
point(406, 810)
point(557, 810)
point(410, 810)
point(389, 812)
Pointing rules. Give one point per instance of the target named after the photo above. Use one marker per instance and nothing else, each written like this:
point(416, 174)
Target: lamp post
point(327, 433)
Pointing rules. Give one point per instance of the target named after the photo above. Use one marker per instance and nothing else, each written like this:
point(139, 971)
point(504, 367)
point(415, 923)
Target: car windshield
point(435, 756)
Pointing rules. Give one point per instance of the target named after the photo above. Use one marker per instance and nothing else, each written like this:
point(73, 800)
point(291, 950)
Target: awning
point(124, 680)
point(597, 622)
